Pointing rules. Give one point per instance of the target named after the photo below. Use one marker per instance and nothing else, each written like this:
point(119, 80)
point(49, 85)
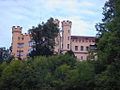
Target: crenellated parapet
point(66, 23)
point(17, 29)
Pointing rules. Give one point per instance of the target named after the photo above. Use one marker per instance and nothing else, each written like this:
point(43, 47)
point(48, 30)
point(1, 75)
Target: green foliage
point(44, 36)
point(107, 67)
point(109, 79)
point(71, 53)
point(12, 75)
point(61, 72)
point(5, 55)
point(64, 72)
point(109, 43)
point(84, 78)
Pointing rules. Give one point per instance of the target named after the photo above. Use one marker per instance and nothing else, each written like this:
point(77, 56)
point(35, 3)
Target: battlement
point(66, 23)
point(56, 21)
point(16, 29)
point(25, 34)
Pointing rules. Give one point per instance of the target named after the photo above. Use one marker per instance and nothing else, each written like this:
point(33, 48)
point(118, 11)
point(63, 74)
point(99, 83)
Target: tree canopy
point(107, 65)
point(43, 37)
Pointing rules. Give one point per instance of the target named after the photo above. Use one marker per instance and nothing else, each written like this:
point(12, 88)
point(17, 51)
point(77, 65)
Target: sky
point(84, 14)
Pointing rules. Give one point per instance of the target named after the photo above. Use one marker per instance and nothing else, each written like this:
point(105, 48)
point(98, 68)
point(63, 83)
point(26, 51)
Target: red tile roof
point(83, 37)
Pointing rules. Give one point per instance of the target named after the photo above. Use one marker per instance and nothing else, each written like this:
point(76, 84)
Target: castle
point(22, 44)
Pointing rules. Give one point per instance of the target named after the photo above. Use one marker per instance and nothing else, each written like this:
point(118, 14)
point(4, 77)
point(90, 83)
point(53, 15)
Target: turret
point(17, 29)
point(16, 35)
point(66, 23)
point(66, 35)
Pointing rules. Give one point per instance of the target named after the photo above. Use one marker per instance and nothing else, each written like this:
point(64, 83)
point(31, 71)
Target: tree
point(109, 79)
point(109, 31)
point(43, 36)
point(70, 52)
point(108, 65)
point(5, 55)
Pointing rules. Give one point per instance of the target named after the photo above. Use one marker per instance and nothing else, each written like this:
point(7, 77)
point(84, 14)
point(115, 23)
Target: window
point(93, 47)
point(68, 38)
point(18, 38)
point(20, 53)
point(87, 48)
point(76, 48)
point(20, 45)
point(22, 38)
point(81, 57)
point(81, 48)
point(68, 46)
point(68, 31)
point(32, 43)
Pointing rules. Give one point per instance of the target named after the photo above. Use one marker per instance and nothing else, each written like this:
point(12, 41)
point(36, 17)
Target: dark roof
point(83, 37)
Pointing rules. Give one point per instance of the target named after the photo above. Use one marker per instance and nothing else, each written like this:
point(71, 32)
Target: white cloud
point(28, 13)
point(79, 26)
point(87, 12)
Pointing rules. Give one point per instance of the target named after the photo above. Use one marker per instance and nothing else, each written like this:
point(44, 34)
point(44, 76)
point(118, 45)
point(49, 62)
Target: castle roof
point(83, 37)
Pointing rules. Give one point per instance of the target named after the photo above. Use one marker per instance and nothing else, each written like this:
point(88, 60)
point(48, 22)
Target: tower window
point(20, 53)
point(22, 38)
point(76, 48)
point(81, 48)
point(87, 48)
point(68, 31)
point(18, 38)
point(20, 45)
point(68, 38)
point(68, 46)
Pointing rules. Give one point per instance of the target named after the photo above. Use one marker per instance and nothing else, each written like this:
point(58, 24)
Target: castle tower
point(16, 32)
point(66, 35)
point(57, 46)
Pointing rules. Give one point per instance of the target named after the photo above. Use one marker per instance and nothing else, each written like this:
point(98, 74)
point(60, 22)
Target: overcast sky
point(84, 14)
